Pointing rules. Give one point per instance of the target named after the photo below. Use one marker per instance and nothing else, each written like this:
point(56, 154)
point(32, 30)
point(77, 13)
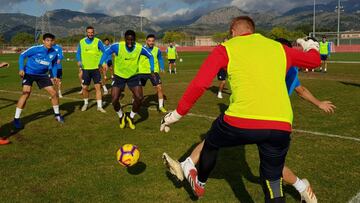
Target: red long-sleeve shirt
point(218, 59)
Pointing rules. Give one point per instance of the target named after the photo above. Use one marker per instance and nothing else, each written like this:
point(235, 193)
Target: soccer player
point(57, 86)
point(259, 111)
point(145, 72)
point(88, 55)
point(3, 140)
point(126, 67)
point(40, 59)
point(325, 50)
point(292, 83)
point(221, 75)
point(109, 63)
point(172, 56)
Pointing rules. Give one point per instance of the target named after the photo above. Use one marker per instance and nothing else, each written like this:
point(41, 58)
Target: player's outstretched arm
point(304, 93)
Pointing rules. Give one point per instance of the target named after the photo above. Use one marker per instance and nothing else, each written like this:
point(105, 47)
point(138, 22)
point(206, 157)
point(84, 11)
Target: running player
point(145, 72)
point(57, 86)
point(249, 119)
point(88, 56)
point(172, 56)
point(40, 59)
point(302, 186)
point(109, 63)
point(3, 140)
point(222, 81)
point(126, 66)
point(325, 50)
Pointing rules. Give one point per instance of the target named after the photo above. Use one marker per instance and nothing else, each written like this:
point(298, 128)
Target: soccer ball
point(128, 155)
point(181, 60)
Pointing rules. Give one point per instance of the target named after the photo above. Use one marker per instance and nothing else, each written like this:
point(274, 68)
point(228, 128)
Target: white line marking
point(212, 118)
point(349, 62)
point(355, 199)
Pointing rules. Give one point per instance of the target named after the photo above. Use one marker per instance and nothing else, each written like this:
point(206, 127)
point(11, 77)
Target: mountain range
point(66, 22)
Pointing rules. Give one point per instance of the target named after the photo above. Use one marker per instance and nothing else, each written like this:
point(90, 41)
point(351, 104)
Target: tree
point(220, 37)
point(22, 38)
point(172, 36)
point(2, 40)
point(281, 32)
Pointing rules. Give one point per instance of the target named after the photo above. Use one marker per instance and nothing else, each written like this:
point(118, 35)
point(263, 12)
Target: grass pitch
point(76, 162)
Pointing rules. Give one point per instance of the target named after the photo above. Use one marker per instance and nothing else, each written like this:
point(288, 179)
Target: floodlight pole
point(313, 34)
point(141, 23)
point(338, 26)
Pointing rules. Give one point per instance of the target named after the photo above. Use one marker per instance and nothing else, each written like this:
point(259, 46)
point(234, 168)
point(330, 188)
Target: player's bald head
point(241, 25)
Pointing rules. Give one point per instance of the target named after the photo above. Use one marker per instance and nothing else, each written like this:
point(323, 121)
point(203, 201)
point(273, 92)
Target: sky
point(155, 10)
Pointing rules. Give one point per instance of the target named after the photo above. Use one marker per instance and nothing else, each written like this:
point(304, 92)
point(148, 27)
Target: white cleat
point(60, 95)
point(101, 110)
point(308, 195)
point(219, 96)
point(173, 166)
point(84, 107)
point(106, 92)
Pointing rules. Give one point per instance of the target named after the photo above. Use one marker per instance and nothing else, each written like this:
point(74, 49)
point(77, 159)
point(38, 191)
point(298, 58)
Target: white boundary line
point(349, 62)
point(355, 199)
point(213, 118)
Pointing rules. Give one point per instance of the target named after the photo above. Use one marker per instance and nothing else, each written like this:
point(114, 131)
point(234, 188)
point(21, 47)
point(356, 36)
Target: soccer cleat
point(122, 121)
point(80, 92)
point(162, 110)
point(192, 179)
point(59, 118)
point(4, 141)
point(130, 121)
point(60, 95)
point(173, 166)
point(17, 124)
point(101, 109)
point(308, 195)
point(84, 107)
point(219, 95)
point(106, 92)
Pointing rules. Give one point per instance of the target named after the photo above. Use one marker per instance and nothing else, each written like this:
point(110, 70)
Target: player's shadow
point(11, 103)
point(150, 101)
point(8, 129)
point(71, 91)
point(350, 83)
point(137, 169)
point(215, 90)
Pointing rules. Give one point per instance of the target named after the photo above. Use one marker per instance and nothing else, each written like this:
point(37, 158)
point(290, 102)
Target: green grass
point(76, 162)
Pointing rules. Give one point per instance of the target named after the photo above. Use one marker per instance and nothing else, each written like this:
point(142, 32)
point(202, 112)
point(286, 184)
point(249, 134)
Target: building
point(204, 41)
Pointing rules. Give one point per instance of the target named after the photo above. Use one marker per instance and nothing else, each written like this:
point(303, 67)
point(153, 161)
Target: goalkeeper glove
point(169, 119)
point(308, 44)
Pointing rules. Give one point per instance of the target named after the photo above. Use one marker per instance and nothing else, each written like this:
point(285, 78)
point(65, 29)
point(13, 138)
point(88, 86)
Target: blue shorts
point(41, 80)
point(155, 81)
point(222, 75)
point(89, 75)
point(323, 57)
point(109, 63)
point(131, 82)
point(59, 74)
point(172, 61)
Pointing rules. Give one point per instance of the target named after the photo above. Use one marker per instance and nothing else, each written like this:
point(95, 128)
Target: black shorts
point(222, 74)
point(272, 144)
point(172, 61)
point(120, 82)
point(59, 74)
point(155, 81)
point(41, 81)
point(109, 63)
point(89, 75)
point(323, 57)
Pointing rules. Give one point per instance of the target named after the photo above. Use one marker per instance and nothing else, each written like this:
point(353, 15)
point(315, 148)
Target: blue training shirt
point(110, 56)
point(159, 57)
point(292, 79)
point(88, 41)
point(39, 61)
point(114, 48)
point(59, 49)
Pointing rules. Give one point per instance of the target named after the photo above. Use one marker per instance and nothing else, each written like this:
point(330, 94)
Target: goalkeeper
point(249, 119)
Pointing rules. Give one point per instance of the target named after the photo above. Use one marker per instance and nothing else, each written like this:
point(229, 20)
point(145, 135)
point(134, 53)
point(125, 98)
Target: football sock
point(161, 103)
point(132, 114)
point(56, 109)
point(86, 101)
point(17, 113)
point(120, 113)
point(299, 185)
point(187, 165)
point(99, 103)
